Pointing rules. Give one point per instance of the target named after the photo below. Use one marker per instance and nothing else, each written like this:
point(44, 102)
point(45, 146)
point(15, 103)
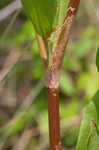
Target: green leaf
point(97, 59)
point(89, 134)
point(42, 14)
point(93, 143)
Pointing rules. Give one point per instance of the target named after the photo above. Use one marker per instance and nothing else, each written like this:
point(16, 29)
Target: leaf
point(89, 134)
point(93, 143)
point(42, 14)
point(97, 59)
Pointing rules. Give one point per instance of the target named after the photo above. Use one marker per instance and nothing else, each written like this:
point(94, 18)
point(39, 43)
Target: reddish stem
point(54, 125)
point(52, 84)
point(52, 74)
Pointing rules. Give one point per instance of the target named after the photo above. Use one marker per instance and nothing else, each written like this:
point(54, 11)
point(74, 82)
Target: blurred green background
point(23, 97)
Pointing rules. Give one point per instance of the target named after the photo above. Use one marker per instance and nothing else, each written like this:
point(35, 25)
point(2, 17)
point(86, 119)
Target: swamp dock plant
point(42, 14)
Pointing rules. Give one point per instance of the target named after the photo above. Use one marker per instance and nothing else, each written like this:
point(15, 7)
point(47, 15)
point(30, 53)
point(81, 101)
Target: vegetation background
point(23, 98)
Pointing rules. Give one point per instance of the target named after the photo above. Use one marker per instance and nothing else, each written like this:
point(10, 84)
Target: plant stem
point(60, 45)
point(54, 125)
point(52, 73)
point(53, 109)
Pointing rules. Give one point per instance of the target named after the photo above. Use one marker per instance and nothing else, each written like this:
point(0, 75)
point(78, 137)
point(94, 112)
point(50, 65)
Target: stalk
point(54, 124)
point(52, 73)
point(53, 110)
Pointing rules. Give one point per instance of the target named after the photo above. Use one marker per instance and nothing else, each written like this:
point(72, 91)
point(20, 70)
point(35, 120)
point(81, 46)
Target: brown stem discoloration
point(59, 50)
